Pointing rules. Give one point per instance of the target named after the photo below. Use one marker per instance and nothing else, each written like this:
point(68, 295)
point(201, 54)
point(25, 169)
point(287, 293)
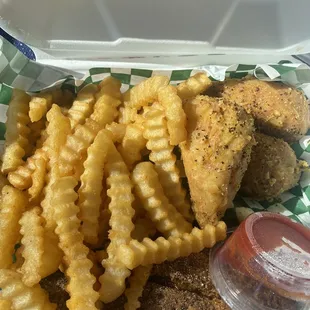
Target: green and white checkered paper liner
point(16, 70)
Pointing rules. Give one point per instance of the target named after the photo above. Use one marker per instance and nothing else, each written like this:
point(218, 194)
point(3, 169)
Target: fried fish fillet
point(278, 109)
point(272, 170)
point(216, 154)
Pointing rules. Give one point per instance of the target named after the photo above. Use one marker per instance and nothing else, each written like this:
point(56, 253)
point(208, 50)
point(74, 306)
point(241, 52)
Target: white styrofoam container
point(89, 29)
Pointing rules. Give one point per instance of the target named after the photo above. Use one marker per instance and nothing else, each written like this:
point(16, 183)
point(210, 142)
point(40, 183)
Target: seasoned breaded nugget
point(216, 154)
point(278, 109)
point(272, 170)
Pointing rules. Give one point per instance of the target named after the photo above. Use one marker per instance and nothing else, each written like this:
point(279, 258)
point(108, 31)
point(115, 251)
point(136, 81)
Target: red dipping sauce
point(268, 254)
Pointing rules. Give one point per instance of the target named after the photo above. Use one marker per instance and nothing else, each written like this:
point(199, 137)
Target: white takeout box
point(79, 34)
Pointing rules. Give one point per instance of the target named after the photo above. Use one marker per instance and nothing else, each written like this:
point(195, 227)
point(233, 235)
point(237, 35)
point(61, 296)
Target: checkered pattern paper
point(18, 71)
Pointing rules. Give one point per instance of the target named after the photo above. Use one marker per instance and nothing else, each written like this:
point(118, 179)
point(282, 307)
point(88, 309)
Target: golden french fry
point(145, 92)
point(13, 205)
point(21, 177)
point(150, 252)
point(64, 111)
point(127, 115)
point(57, 131)
point(105, 111)
point(39, 105)
point(33, 241)
point(82, 106)
point(137, 281)
point(21, 296)
point(220, 231)
point(117, 130)
point(132, 145)
point(165, 216)
point(5, 304)
point(91, 186)
point(110, 86)
point(176, 118)
point(17, 132)
point(38, 179)
point(144, 227)
point(79, 166)
point(139, 96)
point(52, 255)
point(194, 86)
point(155, 131)
point(120, 193)
point(81, 281)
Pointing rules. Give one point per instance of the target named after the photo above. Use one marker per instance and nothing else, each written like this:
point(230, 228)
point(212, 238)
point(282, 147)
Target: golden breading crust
point(216, 154)
point(278, 109)
point(272, 170)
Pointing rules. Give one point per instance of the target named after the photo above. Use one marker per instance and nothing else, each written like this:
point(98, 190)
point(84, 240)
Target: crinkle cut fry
point(17, 131)
point(165, 216)
point(194, 86)
point(176, 118)
point(155, 131)
point(105, 111)
point(21, 177)
point(150, 252)
point(120, 193)
point(141, 95)
point(81, 281)
point(137, 282)
point(146, 91)
point(39, 105)
point(38, 179)
point(32, 232)
point(57, 131)
point(117, 130)
point(21, 296)
point(91, 186)
point(13, 204)
point(82, 106)
point(132, 144)
point(52, 255)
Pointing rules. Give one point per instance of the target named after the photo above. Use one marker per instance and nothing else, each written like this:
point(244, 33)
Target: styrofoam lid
point(90, 28)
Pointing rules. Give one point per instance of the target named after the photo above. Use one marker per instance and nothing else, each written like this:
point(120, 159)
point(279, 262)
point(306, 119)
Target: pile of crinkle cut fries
point(90, 186)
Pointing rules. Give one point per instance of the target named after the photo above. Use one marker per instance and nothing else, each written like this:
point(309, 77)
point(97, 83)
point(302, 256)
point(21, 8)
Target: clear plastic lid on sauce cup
point(264, 264)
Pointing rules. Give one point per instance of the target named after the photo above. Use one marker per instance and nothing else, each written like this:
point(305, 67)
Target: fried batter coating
point(272, 170)
point(278, 109)
point(216, 154)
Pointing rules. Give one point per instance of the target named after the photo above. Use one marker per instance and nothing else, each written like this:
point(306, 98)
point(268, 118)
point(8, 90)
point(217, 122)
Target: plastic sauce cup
point(264, 264)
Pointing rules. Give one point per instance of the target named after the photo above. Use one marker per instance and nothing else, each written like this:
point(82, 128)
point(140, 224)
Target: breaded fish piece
point(216, 154)
point(278, 109)
point(272, 170)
